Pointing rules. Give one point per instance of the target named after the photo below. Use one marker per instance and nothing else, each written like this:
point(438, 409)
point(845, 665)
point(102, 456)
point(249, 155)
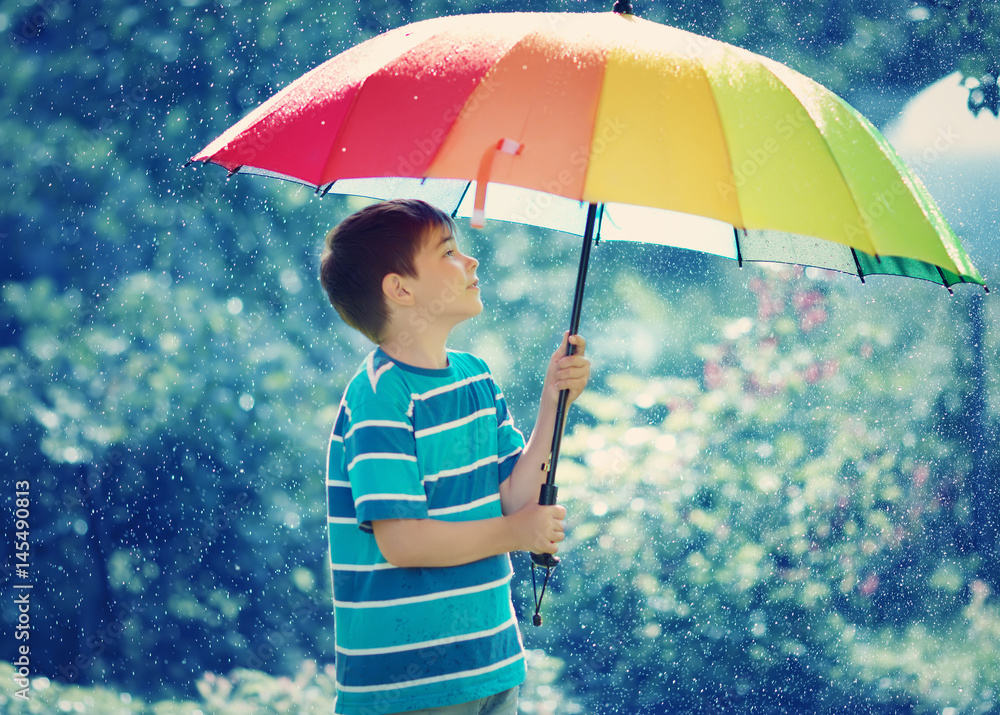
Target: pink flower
point(714, 376)
point(869, 585)
point(806, 299)
point(812, 318)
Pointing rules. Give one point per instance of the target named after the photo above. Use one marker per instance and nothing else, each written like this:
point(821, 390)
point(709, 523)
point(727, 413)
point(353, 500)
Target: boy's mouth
point(473, 285)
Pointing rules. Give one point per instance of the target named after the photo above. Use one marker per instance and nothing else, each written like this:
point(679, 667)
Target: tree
point(970, 30)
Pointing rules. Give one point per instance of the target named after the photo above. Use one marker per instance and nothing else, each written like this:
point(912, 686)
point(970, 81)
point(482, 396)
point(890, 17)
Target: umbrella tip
point(622, 7)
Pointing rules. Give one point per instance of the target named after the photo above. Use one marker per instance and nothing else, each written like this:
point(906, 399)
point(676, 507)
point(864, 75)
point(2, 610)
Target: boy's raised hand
point(567, 372)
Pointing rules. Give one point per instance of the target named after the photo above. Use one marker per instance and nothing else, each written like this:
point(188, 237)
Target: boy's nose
point(473, 263)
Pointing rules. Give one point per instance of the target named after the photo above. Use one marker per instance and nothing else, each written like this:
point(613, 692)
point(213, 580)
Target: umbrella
point(607, 126)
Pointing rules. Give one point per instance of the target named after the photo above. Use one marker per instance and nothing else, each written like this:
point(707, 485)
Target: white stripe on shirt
point(373, 374)
point(429, 644)
point(464, 507)
point(381, 455)
point(389, 496)
point(508, 456)
point(445, 426)
point(460, 470)
point(425, 597)
point(448, 388)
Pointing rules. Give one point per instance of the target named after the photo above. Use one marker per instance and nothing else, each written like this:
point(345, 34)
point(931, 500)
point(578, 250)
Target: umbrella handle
point(548, 492)
point(547, 497)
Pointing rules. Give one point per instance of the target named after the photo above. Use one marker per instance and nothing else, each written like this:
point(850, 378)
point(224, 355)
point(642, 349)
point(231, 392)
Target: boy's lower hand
point(539, 528)
point(567, 372)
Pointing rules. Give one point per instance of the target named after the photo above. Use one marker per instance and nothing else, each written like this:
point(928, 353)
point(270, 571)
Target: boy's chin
point(473, 312)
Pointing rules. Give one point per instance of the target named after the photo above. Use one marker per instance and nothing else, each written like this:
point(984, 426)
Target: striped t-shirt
point(414, 443)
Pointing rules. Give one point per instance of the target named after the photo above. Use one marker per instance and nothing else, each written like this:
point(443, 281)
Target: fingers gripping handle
point(547, 497)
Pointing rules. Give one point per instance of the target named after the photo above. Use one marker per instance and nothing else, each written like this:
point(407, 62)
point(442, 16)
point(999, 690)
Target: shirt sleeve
point(510, 441)
point(381, 459)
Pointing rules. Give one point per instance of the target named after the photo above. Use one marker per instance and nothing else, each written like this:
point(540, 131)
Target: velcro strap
point(507, 146)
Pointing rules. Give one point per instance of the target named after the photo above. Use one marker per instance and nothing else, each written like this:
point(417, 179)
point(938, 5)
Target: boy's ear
point(395, 290)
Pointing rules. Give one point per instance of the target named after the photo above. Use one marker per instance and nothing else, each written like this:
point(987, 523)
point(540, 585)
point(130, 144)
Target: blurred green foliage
point(788, 531)
point(790, 515)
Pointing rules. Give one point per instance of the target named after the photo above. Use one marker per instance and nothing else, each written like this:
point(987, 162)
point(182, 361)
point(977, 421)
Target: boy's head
point(367, 246)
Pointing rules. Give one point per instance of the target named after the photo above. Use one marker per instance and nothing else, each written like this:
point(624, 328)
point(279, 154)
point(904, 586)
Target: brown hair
point(366, 247)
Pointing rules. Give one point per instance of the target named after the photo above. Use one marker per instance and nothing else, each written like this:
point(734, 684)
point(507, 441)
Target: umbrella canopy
point(612, 109)
point(604, 125)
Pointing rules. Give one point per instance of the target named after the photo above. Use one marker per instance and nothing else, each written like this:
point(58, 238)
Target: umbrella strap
point(507, 146)
point(537, 618)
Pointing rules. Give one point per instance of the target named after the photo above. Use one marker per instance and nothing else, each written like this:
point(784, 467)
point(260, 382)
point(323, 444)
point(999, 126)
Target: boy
point(429, 483)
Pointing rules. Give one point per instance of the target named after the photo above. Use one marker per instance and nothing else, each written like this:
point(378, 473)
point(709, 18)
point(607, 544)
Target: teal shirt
point(413, 443)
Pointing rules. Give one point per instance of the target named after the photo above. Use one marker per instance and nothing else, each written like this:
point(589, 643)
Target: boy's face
point(446, 285)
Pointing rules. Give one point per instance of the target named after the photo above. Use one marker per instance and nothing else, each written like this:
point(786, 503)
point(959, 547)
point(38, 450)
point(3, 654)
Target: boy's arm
point(525, 526)
point(569, 372)
point(413, 543)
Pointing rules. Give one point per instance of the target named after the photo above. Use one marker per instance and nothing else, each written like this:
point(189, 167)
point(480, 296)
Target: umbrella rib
point(344, 122)
point(454, 211)
point(944, 280)
point(857, 264)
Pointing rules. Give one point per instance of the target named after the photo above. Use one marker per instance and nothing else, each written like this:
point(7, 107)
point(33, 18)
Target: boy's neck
point(426, 351)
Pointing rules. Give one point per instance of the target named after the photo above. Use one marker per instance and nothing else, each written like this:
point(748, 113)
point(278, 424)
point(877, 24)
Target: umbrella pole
point(549, 491)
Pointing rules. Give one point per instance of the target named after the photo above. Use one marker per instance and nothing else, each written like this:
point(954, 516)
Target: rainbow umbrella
point(607, 126)
point(610, 109)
